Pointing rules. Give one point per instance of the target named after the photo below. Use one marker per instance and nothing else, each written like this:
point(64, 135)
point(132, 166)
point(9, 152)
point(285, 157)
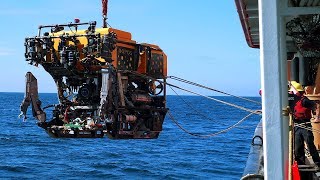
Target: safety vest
point(300, 112)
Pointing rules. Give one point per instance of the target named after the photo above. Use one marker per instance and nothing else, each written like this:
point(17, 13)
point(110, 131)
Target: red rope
point(104, 7)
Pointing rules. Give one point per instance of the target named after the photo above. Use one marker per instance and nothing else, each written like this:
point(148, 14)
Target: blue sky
point(203, 39)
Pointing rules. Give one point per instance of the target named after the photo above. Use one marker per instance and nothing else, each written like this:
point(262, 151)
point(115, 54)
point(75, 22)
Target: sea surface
point(27, 152)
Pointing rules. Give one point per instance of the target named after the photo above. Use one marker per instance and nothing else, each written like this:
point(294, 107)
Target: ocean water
point(26, 151)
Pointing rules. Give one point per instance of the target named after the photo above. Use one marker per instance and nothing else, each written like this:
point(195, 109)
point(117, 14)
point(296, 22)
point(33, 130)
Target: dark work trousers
point(300, 136)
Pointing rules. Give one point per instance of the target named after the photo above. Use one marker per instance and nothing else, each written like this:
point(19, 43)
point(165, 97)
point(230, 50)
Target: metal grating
point(155, 65)
point(125, 59)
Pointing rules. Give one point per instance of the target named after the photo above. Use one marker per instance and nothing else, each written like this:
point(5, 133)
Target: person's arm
point(309, 104)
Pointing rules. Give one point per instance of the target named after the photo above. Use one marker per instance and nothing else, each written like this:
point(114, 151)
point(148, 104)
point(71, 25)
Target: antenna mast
point(104, 12)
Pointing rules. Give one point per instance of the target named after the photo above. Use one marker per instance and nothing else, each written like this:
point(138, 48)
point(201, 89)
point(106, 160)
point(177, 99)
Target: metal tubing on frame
point(274, 89)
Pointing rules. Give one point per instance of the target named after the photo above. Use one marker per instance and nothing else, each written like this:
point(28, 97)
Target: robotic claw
point(31, 97)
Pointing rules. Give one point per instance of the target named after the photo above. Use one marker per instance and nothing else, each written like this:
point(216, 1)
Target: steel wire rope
point(208, 135)
point(307, 128)
point(109, 25)
point(71, 30)
point(199, 113)
point(223, 102)
point(205, 87)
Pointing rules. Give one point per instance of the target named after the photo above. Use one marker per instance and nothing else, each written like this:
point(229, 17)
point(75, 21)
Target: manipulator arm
point(31, 97)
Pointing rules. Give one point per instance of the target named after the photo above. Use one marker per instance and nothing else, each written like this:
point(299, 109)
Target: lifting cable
point(104, 12)
point(211, 89)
